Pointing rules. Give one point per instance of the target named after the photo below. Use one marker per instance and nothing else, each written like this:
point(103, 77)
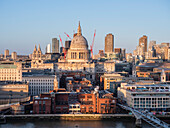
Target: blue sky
point(24, 23)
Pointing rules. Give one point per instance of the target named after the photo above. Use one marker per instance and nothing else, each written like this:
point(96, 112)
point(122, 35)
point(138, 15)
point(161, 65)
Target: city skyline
point(67, 61)
point(26, 24)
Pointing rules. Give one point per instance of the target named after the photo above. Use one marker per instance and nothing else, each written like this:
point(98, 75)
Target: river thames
point(72, 124)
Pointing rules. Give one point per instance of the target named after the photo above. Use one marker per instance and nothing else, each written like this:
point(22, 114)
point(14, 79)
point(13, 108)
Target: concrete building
point(105, 67)
point(6, 54)
point(111, 81)
point(55, 45)
point(168, 54)
point(154, 97)
point(12, 92)
point(67, 44)
point(22, 108)
point(124, 54)
point(151, 44)
point(118, 50)
point(143, 40)
point(14, 55)
point(129, 57)
point(109, 43)
point(48, 48)
point(39, 83)
point(11, 72)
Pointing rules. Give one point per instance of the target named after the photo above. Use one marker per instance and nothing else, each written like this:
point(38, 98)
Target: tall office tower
point(6, 53)
point(151, 43)
point(14, 55)
point(117, 50)
point(48, 48)
point(67, 44)
point(55, 45)
point(61, 49)
point(109, 43)
point(123, 53)
point(143, 40)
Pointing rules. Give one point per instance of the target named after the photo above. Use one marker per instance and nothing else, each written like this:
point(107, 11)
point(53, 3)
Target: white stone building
point(39, 83)
point(11, 72)
point(151, 97)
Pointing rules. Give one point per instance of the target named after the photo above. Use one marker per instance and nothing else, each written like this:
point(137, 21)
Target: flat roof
point(149, 85)
point(8, 66)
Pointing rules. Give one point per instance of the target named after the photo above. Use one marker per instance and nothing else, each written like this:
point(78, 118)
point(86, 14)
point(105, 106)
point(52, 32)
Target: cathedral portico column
point(85, 55)
point(78, 55)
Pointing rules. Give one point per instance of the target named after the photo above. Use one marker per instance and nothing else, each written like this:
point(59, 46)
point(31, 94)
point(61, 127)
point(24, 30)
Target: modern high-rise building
point(14, 55)
point(48, 48)
point(61, 49)
point(109, 43)
point(55, 45)
point(123, 53)
point(143, 41)
point(67, 44)
point(117, 50)
point(6, 53)
point(152, 43)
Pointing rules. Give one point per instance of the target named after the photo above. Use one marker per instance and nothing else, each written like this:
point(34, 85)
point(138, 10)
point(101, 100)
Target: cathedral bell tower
point(163, 76)
point(55, 83)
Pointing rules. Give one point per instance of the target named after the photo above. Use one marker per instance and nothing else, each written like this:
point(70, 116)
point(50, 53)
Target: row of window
point(9, 71)
point(148, 103)
point(81, 55)
point(10, 78)
point(9, 75)
point(39, 80)
point(40, 87)
point(143, 99)
point(151, 106)
point(41, 84)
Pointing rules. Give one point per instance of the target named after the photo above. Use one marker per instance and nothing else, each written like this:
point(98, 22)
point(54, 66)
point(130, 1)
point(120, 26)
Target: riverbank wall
point(68, 116)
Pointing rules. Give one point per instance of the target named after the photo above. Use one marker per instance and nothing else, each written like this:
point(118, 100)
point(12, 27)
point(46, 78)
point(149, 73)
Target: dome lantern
point(79, 30)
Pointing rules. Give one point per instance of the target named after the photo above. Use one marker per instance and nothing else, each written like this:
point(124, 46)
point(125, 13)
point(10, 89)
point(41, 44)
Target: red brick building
point(61, 102)
point(42, 105)
point(83, 101)
point(101, 102)
point(106, 104)
point(88, 103)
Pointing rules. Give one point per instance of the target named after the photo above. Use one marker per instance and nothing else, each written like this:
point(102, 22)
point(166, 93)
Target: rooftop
point(10, 82)
point(148, 88)
point(8, 66)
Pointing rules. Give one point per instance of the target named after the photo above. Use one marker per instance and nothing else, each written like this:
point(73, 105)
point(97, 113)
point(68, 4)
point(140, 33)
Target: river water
point(72, 124)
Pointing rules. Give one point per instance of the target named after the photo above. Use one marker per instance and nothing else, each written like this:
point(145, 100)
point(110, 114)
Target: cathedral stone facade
point(78, 57)
point(78, 51)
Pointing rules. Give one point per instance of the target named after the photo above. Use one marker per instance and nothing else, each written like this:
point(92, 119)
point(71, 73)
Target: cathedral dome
point(79, 42)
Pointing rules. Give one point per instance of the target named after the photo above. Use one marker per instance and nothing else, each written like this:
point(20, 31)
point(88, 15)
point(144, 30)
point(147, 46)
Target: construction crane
point(91, 47)
point(68, 35)
point(64, 51)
